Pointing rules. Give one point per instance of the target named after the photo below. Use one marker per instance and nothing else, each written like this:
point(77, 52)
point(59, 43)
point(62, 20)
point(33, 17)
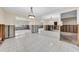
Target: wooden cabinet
point(6, 31)
point(2, 32)
point(69, 28)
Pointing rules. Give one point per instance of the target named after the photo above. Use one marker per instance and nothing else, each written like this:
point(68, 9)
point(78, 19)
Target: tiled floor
point(44, 41)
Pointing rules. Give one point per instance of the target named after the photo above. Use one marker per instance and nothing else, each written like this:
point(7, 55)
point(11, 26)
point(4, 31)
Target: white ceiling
point(38, 11)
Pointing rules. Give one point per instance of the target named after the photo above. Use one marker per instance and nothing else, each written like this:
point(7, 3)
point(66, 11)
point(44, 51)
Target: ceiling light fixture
point(31, 16)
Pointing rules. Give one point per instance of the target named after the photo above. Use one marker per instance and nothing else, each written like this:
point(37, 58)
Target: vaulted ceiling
point(38, 11)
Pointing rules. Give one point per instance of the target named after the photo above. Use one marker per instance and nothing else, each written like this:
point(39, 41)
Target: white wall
point(6, 18)
point(69, 18)
point(77, 15)
point(50, 20)
point(1, 16)
point(21, 22)
point(55, 16)
point(9, 19)
point(70, 21)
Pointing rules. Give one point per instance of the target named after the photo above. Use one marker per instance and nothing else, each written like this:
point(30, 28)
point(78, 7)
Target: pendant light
point(31, 16)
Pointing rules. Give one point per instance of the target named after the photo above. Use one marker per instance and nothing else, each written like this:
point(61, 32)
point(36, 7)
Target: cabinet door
point(34, 29)
point(75, 28)
point(6, 31)
point(11, 30)
point(2, 32)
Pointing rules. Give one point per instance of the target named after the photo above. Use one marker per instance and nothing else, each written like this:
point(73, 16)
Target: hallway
point(37, 42)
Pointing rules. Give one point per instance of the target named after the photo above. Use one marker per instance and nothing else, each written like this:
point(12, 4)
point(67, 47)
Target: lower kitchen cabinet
point(2, 32)
point(6, 31)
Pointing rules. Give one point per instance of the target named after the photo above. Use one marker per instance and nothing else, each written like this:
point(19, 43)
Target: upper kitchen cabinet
point(69, 14)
